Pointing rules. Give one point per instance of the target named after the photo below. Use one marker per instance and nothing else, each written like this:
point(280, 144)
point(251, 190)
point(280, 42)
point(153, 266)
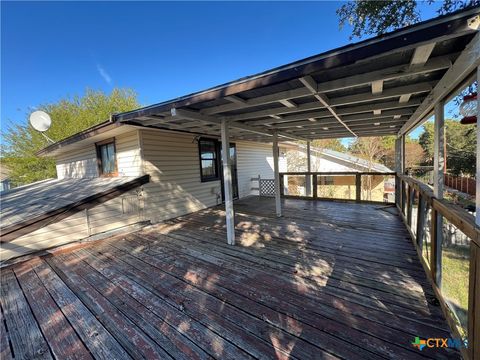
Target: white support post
point(477, 196)
point(278, 204)
point(308, 179)
point(227, 184)
point(398, 170)
point(439, 153)
point(438, 181)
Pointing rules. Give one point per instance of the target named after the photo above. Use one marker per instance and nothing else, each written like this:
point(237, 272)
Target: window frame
point(216, 144)
point(98, 146)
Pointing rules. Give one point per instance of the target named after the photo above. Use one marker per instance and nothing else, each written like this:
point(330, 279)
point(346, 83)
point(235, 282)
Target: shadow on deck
point(326, 280)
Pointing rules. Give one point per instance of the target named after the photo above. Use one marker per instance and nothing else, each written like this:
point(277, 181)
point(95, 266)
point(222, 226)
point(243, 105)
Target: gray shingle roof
point(356, 160)
point(30, 201)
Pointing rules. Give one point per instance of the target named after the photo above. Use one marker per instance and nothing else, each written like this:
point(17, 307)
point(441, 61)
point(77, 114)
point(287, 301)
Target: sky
point(50, 50)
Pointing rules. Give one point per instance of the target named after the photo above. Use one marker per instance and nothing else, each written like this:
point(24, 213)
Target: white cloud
point(103, 73)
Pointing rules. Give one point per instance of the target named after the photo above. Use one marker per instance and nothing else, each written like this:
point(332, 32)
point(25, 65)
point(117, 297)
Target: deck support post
point(438, 180)
point(278, 204)
point(398, 170)
point(308, 180)
point(477, 196)
point(227, 184)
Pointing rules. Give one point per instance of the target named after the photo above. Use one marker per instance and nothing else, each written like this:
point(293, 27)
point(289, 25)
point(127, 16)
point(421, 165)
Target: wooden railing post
point(436, 246)
point(421, 215)
point(282, 185)
point(315, 186)
point(411, 198)
point(474, 303)
point(358, 187)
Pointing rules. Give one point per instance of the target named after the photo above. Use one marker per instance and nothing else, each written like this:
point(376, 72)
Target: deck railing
point(373, 187)
point(448, 244)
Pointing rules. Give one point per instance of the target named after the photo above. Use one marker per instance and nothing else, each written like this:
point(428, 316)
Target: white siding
point(112, 214)
point(253, 159)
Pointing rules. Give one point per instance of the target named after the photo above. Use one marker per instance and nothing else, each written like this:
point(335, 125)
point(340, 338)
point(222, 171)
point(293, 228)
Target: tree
point(371, 149)
point(461, 143)
point(378, 17)
point(331, 144)
point(69, 116)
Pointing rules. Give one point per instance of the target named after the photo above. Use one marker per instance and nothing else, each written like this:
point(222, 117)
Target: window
point(209, 159)
point(106, 158)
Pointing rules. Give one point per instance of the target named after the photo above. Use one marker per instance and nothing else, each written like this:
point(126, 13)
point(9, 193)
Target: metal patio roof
point(379, 86)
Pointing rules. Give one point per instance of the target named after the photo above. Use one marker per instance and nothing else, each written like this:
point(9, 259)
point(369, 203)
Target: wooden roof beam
point(339, 101)
point(311, 85)
point(377, 87)
point(466, 63)
point(235, 99)
point(329, 122)
point(421, 54)
point(360, 110)
point(194, 115)
point(287, 103)
point(419, 58)
point(394, 72)
point(324, 115)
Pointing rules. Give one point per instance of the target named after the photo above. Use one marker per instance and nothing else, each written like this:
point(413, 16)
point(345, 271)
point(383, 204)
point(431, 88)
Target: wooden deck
point(328, 280)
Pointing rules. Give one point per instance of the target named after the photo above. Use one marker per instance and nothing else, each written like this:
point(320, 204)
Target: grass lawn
point(455, 264)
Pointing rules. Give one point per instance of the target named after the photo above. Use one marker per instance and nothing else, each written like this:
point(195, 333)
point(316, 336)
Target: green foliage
point(69, 116)
point(461, 143)
point(378, 17)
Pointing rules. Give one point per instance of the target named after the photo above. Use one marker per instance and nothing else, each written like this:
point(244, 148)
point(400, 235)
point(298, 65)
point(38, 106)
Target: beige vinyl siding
point(129, 159)
point(113, 214)
point(79, 163)
point(82, 162)
point(175, 188)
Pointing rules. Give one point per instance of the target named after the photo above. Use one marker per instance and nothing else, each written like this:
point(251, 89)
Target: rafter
point(465, 64)
point(193, 115)
point(288, 103)
point(330, 122)
point(340, 101)
point(377, 87)
point(394, 72)
point(326, 116)
point(311, 85)
point(235, 99)
point(421, 54)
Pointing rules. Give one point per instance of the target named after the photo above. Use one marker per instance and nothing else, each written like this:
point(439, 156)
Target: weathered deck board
point(62, 339)
point(327, 280)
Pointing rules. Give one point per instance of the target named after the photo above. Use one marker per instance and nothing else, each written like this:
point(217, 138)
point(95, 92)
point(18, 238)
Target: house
point(337, 175)
point(280, 277)
point(4, 178)
point(155, 175)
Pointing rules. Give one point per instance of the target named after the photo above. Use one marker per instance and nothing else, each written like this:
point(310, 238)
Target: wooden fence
point(461, 183)
point(425, 217)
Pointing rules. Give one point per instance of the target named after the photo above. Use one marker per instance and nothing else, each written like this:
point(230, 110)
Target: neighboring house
point(4, 178)
point(336, 185)
point(101, 171)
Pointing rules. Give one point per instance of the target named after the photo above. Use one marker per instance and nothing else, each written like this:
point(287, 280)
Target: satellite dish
point(40, 121)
